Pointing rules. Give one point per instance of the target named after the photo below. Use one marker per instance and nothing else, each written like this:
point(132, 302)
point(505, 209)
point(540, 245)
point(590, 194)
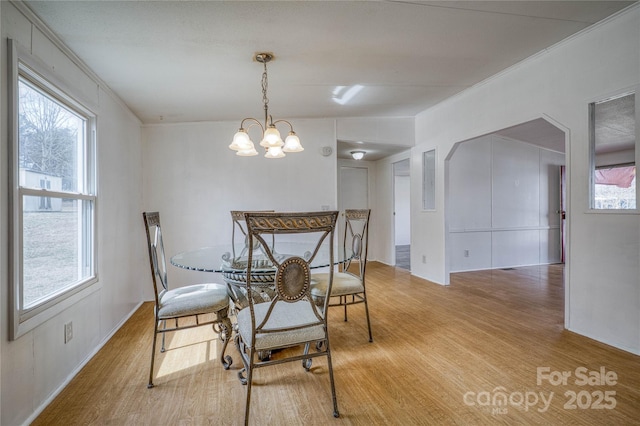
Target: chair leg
point(366, 309)
point(336, 413)
point(249, 380)
point(153, 354)
point(243, 356)
point(343, 301)
point(164, 326)
point(224, 330)
point(306, 363)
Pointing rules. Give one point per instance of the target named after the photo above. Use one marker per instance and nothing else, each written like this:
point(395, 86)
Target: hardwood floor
point(441, 355)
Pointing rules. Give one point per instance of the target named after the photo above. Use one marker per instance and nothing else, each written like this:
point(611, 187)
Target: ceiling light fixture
point(357, 155)
point(271, 140)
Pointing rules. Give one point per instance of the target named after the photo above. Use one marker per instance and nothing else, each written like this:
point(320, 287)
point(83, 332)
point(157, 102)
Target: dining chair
point(290, 320)
point(183, 307)
point(349, 285)
point(236, 282)
point(237, 218)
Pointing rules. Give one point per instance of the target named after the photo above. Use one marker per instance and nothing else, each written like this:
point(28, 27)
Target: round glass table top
point(230, 258)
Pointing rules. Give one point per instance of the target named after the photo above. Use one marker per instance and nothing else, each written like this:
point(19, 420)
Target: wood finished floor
point(433, 345)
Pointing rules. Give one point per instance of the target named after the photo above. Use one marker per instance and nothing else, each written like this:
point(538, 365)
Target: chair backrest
point(237, 217)
point(156, 254)
point(356, 238)
point(293, 276)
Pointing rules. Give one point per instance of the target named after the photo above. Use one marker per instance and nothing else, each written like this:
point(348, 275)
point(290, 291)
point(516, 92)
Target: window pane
point(613, 134)
point(51, 139)
point(53, 255)
point(429, 180)
point(615, 188)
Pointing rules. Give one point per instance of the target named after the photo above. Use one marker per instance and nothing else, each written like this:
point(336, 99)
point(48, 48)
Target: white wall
point(603, 255)
point(503, 195)
point(35, 366)
point(193, 179)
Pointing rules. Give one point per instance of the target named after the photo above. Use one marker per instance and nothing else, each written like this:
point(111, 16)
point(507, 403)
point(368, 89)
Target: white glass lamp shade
point(248, 151)
point(271, 138)
point(292, 143)
point(241, 141)
point(357, 155)
point(274, 152)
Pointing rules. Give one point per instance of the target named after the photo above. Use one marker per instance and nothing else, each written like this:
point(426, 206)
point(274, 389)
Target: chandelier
point(271, 139)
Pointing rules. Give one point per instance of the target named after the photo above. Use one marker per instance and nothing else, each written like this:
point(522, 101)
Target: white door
point(353, 193)
point(354, 188)
point(402, 214)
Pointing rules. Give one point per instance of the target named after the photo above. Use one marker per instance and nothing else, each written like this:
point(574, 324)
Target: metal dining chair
point(237, 217)
point(290, 320)
point(193, 302)
point(349, 285)
point(235, 282)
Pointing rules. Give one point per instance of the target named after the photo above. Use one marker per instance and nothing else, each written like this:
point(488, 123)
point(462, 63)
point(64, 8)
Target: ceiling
point(189, 61)
point(537, 132)
point(373, 151)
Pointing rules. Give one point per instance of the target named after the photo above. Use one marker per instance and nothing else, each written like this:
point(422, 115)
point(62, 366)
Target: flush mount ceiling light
point(357, 155)
point(271, 140)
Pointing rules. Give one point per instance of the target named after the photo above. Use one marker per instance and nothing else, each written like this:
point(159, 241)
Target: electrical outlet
point(68, 332)
point(466, 253)
point(424, 258)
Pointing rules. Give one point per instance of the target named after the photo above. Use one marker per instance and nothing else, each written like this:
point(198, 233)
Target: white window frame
point(22, 320)
point(592, 160)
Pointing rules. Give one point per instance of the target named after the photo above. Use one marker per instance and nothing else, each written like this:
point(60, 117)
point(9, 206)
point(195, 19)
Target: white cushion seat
point(343, 284)
point(192, 300)
point(284, 315)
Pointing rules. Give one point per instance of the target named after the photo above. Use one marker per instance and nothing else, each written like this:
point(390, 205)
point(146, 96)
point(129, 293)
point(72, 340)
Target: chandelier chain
point(265, 86)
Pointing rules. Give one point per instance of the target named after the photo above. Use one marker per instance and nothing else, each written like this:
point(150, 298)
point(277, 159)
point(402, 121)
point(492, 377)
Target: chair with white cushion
point(183, 307)
point(349, 285)
point(290, 323)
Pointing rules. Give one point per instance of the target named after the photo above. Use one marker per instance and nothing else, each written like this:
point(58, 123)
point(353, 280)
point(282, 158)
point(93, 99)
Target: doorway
point(402, 214)
point(503, 198)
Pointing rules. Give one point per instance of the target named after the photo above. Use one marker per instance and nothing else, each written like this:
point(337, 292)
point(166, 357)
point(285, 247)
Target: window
point(53, 200)
point(613, 150)
point(429, 180)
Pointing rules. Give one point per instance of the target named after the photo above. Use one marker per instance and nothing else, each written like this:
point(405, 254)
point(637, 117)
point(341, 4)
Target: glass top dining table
point(232, 261)
point(233, 258)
